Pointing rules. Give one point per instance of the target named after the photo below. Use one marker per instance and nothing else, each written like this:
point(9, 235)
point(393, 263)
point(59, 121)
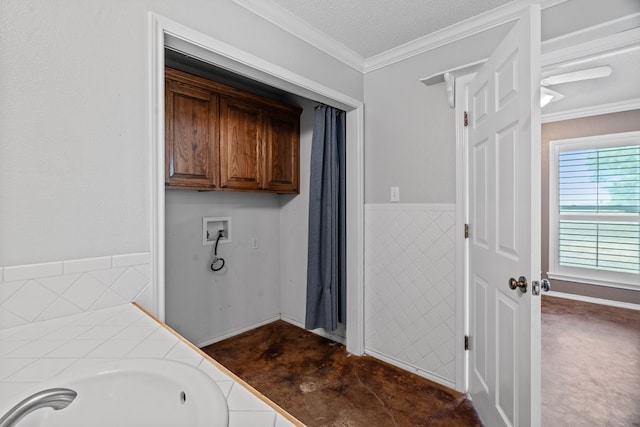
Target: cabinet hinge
point(466, 231)
point(466, 119)
point(466, 342)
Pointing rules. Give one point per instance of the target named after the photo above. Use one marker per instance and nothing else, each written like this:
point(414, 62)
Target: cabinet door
point(282, 144)
point(191, 133)
point(241, 145)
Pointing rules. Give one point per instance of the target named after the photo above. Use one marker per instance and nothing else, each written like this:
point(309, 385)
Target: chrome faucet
point(56, 398)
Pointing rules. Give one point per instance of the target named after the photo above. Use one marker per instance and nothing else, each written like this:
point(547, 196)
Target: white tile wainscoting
point(410, 287)
point(37, 352)
point(37, 292)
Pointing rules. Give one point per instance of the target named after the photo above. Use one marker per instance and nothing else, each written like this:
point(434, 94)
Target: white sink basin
point(136, 392)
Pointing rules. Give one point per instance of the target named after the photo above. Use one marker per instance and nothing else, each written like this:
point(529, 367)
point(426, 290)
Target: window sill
point(593, 281)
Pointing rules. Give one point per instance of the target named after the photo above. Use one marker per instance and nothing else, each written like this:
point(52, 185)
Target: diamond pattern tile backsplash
point(410, 287)
point(36, 292)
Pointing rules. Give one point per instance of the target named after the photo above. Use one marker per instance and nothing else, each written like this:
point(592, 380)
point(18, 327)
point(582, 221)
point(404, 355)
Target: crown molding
point(612, 44)
point(599, 31)
point(289, 22)
point(455, 32)
point(565, 48)
point(596, 110)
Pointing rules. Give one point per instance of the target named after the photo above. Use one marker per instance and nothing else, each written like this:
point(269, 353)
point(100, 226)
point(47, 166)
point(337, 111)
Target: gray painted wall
point(409, 127)
point(74, 114)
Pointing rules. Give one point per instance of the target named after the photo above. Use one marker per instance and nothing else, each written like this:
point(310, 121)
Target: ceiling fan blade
point(547, 95)
point(576, 76)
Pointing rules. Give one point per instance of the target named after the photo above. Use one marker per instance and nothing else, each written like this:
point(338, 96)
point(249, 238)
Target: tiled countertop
point(37, 352)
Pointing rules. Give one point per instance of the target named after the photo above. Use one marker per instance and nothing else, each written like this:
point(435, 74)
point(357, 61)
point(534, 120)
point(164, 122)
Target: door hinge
point(466, 119)
point(466, 342)
point(466, 231)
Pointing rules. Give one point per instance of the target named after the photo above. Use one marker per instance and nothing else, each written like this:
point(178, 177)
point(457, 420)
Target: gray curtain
point(326, 282)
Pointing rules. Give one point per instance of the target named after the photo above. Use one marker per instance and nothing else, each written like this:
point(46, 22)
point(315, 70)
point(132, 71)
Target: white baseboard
point(321, 332)
point(593, 300)
point(235, 332)
point(410, 368)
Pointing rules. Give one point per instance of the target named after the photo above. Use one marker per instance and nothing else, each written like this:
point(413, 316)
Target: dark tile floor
point(318, 382)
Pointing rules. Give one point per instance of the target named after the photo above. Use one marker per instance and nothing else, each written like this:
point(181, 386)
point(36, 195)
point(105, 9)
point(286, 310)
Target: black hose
point(216, 259)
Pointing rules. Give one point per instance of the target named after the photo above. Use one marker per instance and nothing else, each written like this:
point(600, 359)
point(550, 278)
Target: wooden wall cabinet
point(224, 139)
point(282, 145)
point(191, 131)
point(241, 145)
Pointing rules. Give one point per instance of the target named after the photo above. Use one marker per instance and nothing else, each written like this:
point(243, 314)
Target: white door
point(504, 220)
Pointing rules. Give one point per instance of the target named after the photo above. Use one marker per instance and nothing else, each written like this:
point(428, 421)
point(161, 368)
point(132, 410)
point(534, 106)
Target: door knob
point(520, 283)
point(545, 284)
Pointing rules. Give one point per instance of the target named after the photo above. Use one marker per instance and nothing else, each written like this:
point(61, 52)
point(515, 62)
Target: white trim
point(235, 332)
point(236, 59)
point(619, 29)
point(614, 44)
point(320, 332)
point(281, 17)
point(15, 273)
point(462, 244)
point(355, 232)
point(593, 300)
point(474, 25)
point(611, 283)
point(156, 164)
point(291, 23)
point(461, 70)
point(409, 207)
point(411, 368)
point(71, 266)
point(127, 260)
point(595, 110)
point(88, 264)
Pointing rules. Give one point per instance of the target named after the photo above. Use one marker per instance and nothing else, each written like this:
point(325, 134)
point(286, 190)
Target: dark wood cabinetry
point(190, 136)
point(282, 152)
point(241, 145)
point(221, 138)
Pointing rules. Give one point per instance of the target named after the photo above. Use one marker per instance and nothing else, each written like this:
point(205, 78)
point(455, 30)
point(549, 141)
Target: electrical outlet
point(395, 194)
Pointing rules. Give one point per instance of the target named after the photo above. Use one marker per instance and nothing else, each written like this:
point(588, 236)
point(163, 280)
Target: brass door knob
point(521, 283)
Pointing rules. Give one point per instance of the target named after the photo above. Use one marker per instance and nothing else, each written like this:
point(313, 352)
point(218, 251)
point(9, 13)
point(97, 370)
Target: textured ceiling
point(370, 27)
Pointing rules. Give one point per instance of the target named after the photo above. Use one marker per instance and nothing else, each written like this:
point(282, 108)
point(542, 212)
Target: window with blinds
point(595, 208)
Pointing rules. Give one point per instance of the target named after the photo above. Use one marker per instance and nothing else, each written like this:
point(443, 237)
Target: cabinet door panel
point(241, 140)
point(283, 152)
point(190, 136)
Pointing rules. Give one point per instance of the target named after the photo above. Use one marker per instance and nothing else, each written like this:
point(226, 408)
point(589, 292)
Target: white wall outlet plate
point(395, 194)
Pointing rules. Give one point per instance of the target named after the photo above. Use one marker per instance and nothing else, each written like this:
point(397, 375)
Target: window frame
point(576, 274)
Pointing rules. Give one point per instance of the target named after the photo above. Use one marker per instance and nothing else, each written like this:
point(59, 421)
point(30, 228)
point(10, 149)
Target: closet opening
point(278, 221)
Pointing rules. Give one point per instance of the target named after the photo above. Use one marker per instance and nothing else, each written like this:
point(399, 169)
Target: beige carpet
point(590, 364)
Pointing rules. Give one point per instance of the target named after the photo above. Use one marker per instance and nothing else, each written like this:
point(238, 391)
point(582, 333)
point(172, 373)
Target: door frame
point(218, 53)
point(462, 246)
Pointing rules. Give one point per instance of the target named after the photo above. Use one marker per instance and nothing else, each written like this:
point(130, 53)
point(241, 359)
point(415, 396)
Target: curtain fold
point(326, 268)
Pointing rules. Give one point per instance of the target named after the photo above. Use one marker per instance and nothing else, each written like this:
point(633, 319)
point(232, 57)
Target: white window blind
point(595, 226)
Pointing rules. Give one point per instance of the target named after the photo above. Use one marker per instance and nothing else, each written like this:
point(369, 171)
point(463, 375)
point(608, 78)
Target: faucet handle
point(56, 398)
